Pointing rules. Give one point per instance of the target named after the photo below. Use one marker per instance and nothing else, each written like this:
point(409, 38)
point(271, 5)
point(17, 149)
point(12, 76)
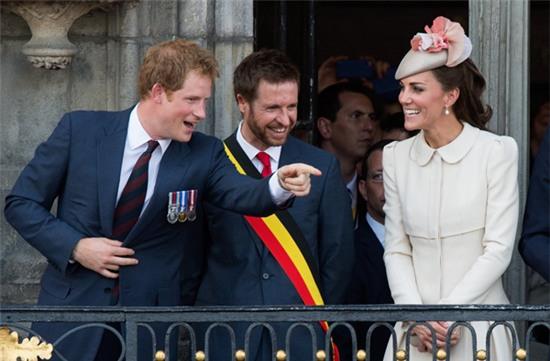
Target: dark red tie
point(263, 157)
point(131, 200)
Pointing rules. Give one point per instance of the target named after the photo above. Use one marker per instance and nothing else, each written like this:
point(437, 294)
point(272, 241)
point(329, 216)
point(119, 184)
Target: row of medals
point(181, 206)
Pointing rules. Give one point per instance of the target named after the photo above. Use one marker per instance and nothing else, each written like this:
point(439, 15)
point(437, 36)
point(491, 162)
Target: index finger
point(308, 169)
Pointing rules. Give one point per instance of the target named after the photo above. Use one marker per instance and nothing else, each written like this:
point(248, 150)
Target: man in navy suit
point(241, 268)
point(370, 283)
point(101, 254)
point(347, 125)
point(534, 244)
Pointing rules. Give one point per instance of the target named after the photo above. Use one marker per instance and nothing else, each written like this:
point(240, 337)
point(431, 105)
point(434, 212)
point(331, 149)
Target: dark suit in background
point(241, 271)
point(535, 239)
point(534, 244)
point(369, 286)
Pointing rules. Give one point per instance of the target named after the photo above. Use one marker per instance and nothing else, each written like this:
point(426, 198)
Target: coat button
point(265, 276)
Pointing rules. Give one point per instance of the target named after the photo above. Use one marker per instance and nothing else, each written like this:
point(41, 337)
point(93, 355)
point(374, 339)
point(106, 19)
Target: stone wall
point(102, 75)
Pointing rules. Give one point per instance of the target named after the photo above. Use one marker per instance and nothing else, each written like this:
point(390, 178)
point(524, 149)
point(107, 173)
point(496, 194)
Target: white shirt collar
point(377, 228)
point(137, 136)
point(251, 151)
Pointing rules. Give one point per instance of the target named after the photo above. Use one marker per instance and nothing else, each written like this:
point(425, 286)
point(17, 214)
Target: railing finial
point(481, 355)
point(240, 355)
point(400, 355)
point(160, 356)
point(280, 355)
point(521, 354)
point(200, 356)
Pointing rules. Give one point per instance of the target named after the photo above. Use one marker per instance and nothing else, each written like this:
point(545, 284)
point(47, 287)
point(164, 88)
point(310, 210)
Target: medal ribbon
point(192, 199)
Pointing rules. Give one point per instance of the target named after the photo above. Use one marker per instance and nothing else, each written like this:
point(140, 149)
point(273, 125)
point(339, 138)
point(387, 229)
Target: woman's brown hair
point(468, 79)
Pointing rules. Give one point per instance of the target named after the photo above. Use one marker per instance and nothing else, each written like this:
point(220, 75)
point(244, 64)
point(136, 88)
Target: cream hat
point(443, 44)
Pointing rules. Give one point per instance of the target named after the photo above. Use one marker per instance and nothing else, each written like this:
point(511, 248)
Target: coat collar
point(451, 153)
point(290, 153)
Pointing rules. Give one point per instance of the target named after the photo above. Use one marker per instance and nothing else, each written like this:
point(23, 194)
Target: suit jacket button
point(265, 276)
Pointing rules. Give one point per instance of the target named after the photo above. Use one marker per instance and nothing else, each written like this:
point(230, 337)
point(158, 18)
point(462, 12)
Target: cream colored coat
point(451, 218)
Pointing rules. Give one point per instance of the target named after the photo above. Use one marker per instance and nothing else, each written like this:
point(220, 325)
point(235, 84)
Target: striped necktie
point(131, 200)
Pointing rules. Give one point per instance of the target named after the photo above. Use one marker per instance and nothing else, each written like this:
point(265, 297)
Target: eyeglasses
point(377, 177)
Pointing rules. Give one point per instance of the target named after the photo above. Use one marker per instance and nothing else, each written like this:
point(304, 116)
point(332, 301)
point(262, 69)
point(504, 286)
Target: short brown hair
point(169, 62)
point(270, 65)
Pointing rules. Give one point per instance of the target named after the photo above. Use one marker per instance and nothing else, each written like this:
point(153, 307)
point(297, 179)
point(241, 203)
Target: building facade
point(112, 39)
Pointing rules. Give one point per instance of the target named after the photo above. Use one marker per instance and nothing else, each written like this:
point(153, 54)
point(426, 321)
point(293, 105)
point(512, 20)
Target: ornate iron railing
point(17, 318)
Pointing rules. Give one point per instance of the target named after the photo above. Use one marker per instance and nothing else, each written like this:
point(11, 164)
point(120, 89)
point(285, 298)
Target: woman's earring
point(447, 112)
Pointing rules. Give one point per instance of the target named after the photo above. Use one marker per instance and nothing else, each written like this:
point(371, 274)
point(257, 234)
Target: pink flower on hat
point(444, 34)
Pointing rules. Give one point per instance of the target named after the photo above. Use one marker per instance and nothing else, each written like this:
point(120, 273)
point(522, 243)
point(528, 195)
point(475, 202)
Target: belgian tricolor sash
point(284, 239)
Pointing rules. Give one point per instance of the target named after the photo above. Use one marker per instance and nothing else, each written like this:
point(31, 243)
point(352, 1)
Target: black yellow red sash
point(283, 238)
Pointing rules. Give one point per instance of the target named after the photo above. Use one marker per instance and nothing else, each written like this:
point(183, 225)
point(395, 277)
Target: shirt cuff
point(279, 195)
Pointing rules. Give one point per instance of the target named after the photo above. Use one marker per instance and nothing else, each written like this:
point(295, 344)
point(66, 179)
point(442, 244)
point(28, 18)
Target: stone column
point(499, 30)
point(127, 54)
point(234, 40)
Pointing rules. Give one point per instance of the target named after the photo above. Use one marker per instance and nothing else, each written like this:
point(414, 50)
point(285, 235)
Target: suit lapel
point(376, 256)
point(110, 150)
point(172, 171)
point(289, 154)
point(375, 250)
point(235, 148)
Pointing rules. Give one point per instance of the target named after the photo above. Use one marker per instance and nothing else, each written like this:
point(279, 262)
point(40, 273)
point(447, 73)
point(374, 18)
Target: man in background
point(346, 126)
point(370, 283)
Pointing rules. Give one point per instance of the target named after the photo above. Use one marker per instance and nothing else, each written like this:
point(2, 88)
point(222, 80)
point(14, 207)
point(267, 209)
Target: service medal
point(182, 214)
point(172, 215)
point(192, 214)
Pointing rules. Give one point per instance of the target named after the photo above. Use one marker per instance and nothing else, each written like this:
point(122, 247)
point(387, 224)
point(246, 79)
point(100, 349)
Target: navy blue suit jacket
point(534, 244)
point(80, 166)
point(241, 271)
point(369, 287)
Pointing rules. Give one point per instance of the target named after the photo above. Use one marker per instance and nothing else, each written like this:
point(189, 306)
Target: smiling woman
point(451, 195)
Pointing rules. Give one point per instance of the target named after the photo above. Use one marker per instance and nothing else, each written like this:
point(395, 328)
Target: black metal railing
point(17, 318)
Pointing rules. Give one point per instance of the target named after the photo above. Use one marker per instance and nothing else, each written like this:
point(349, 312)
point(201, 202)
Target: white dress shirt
point(136, 144)
point(377, 228)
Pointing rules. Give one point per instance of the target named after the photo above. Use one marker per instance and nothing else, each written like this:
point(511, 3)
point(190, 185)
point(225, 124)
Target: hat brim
point(416, 62)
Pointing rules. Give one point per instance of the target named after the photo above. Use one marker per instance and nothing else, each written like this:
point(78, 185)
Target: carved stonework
point(50, 22)
point(49, 62)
